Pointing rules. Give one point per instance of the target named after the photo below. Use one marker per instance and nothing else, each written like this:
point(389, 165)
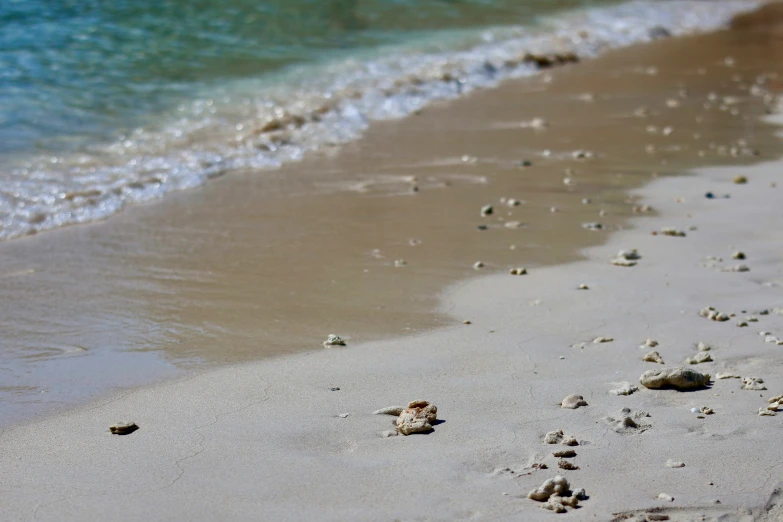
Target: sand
point(272, 439)
point(267, 440)
point(264, 263)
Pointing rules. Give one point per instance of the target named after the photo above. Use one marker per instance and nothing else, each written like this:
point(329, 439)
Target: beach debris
point(123, 428)
point(553, 437)
point(670, 463)
point(418, 417)
point(641, 112)
point(592, 226)
point(742, 324)
point(583, 287)
point(559, 504)
point(740, 180)
point(564, 464)
point(704, 410)
point(545, 61)
point(649, 343)
point(736, 268)
point(653, 357)
point(566, 453)
point(582, 154)
point(771, 408)
point(334, 340)
point(774, 404)
point(334, 389)
point(711, 313)
point(700, 357)
point(569, 440)
point(727, 375)
point(670, 231)
point(466, 321)
point(538, 123)
point(487, 210)
point(703, 347)
point(511, 202)
point(626, 258)
point(623, 388)
point(512, 224)
point(753, 383)
point(478, 264)
point(678, 378)
point(554, 492)
point(389, 410)
point(558, 437)
point(518, 271)
point(738, 255)
point(666, 497)
point(641, 209)
point(573, 402)
point(399, 263)
point(628, 421)
point(599, 340)
point(344, 415)
point(389, 433)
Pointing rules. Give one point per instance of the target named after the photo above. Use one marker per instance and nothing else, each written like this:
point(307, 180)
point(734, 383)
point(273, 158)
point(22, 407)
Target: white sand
point(265, 441)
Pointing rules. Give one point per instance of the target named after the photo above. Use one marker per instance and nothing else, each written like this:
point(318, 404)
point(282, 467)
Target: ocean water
point(103, 104)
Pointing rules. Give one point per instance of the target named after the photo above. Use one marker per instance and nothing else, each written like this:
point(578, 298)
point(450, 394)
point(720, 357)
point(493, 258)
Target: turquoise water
point(92, 67)
point(107, 103)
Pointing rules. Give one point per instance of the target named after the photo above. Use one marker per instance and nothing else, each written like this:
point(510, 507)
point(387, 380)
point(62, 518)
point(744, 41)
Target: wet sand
point(267, 263)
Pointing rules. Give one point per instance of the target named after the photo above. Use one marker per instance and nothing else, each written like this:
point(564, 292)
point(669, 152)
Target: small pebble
point(518, 271)
point(334, 340)
point(478, 264)
point(740, 180)
point(123, 428)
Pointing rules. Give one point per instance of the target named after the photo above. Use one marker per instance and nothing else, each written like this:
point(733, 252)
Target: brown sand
point(266, 263)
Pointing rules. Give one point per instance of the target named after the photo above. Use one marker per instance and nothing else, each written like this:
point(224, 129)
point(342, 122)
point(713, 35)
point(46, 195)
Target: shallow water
point(106, 104)
point(74, 71)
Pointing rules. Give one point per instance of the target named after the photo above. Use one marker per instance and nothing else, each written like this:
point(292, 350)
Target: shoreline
point(237, 441)
point(240, 128)
point(217, 284)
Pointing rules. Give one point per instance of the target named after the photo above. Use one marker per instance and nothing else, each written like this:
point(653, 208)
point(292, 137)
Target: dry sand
point(271, 440)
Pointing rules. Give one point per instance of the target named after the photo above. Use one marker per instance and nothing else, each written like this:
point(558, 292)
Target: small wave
point(262, 123)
